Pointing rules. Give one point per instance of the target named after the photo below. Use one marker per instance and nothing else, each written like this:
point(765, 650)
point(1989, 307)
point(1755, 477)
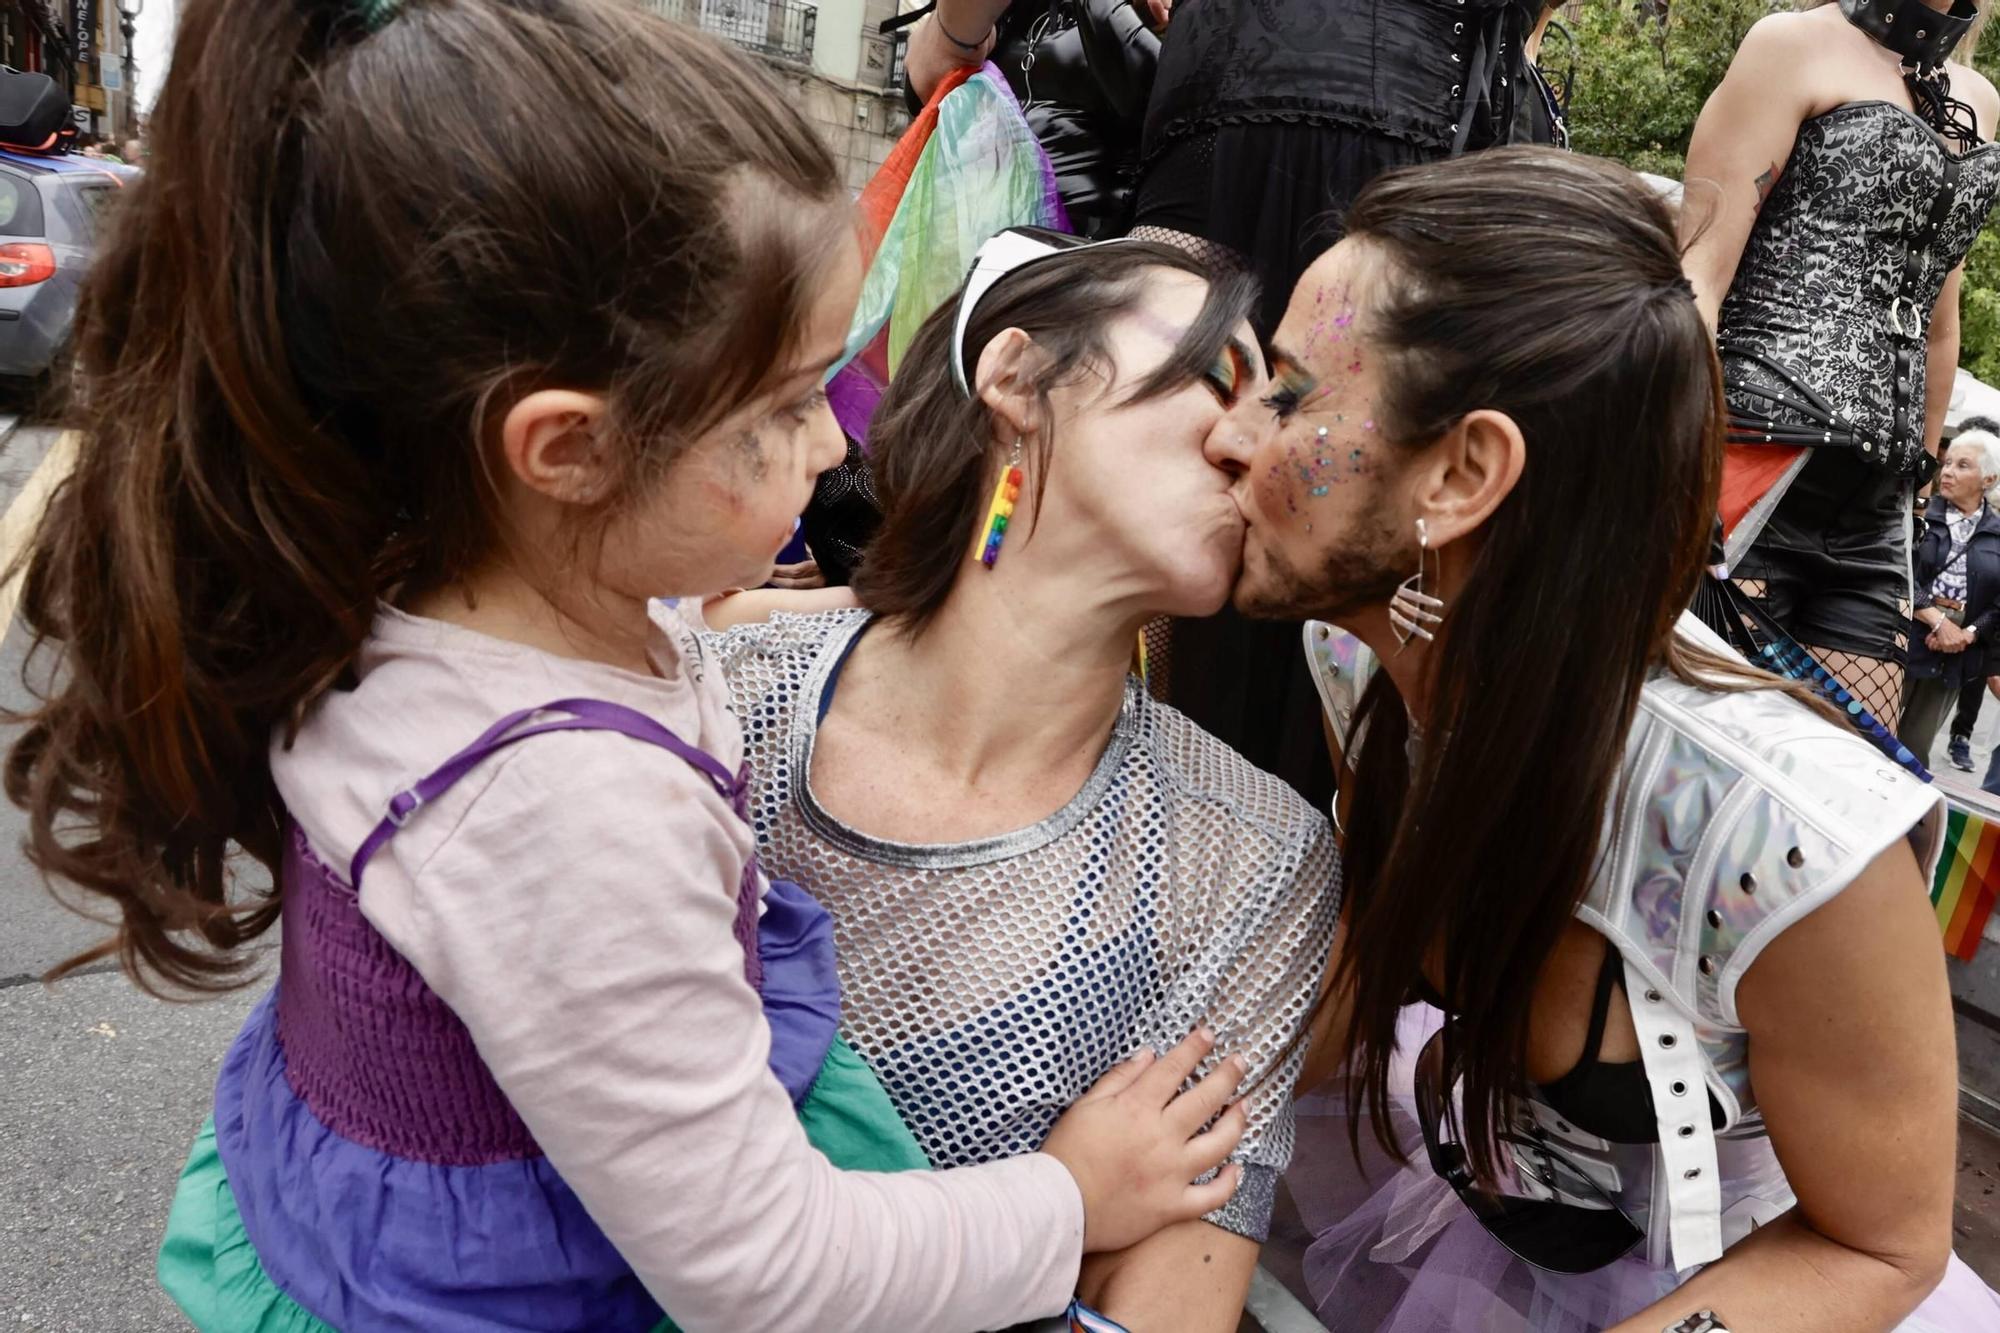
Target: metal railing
point(775, 29)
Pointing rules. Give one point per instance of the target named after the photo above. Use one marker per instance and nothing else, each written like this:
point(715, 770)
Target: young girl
point(435, 343)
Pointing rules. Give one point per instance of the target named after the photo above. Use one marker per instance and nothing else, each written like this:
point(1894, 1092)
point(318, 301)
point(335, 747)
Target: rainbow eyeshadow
point(1231, 368)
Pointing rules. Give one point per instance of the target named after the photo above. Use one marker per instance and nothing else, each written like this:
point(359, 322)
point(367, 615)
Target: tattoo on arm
point(1765, 180)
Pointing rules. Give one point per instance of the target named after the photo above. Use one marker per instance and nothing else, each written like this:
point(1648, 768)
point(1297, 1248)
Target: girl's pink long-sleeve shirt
point(572, 900)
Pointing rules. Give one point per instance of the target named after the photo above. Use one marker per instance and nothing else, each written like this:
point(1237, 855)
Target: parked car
point(50, 208)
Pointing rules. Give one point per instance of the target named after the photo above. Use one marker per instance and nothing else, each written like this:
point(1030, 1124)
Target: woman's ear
point(554, 444)
point(1477, 465)
point(1006, 377)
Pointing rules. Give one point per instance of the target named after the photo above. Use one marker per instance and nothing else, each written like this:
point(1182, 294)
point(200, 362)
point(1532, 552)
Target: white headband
point(999, 256)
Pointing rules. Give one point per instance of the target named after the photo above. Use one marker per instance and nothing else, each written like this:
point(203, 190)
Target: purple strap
point(584, 715)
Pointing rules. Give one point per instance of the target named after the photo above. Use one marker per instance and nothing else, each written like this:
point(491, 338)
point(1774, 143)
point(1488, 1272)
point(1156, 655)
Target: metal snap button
point(1707, 966)
point(1715, 920)
point(1458, 27)
point(1749, 882)
point(1795, 858)
point(1456, 89)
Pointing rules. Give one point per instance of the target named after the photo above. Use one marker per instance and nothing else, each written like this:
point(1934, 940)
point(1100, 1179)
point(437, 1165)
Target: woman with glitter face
point(1836, 179)
point(1685, 1060)
point(1033, 866)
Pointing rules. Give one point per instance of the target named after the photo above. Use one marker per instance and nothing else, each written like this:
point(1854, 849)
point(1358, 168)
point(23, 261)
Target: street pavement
point(101, 1087)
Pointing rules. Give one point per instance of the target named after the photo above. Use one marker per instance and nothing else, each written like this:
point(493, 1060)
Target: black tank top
point(1611, 1100)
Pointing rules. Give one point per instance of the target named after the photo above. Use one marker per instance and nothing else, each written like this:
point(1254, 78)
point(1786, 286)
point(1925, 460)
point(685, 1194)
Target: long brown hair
point(1549, 287)
point(932, 447)
point(348, 246)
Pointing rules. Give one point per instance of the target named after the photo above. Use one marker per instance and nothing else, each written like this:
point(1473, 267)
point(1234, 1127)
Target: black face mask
point(1923, 38)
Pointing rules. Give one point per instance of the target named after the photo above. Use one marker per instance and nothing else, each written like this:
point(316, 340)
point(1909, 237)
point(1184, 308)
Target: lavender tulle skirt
point(1391, 1248)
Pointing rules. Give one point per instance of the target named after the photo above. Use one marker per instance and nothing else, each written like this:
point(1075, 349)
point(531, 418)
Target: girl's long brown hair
point(347, 247)
point(1549, 287)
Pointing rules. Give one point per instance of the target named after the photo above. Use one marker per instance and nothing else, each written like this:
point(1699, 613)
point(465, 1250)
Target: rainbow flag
point(968, 168)
point(1968, 875)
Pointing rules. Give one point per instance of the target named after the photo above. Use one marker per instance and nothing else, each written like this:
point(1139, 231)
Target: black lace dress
point(1268, 116)
point(1832, 301)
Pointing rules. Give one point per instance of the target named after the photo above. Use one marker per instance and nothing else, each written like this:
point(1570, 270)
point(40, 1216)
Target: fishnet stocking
point(1213, 253)
point(1875, 681)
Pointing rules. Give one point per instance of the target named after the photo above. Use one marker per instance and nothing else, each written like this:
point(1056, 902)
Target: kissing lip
point(1236, 497)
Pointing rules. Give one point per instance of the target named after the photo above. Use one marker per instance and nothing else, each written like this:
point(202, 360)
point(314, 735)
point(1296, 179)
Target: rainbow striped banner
point(1968, 875)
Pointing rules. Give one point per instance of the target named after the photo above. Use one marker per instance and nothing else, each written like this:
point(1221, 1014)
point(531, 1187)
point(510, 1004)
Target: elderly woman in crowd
point(1957, 609)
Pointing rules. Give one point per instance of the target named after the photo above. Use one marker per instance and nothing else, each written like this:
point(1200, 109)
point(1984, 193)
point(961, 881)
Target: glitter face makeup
point(1333, 315)
point(1319, 489)
point(1314, 468)
point(1311, 471)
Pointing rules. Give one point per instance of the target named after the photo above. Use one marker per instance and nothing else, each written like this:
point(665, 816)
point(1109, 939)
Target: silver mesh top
point(990, 983)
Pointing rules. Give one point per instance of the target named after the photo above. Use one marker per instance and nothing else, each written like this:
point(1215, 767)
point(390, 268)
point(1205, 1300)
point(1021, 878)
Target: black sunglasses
point(1551, 1214)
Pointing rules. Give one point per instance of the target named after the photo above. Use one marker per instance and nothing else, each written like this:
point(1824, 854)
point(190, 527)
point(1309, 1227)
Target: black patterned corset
point(1816, 290)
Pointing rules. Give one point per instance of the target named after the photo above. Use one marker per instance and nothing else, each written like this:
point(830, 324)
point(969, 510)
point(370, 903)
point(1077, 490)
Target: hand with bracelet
point(955, 34)
point(958, 33)
point(1946, 636)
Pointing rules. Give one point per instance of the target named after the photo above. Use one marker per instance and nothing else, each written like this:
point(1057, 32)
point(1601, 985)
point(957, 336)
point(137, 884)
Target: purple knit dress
point(382, 1176)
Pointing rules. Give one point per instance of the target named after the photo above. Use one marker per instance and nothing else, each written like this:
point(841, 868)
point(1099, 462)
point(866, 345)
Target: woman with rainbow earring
point(1033, 866)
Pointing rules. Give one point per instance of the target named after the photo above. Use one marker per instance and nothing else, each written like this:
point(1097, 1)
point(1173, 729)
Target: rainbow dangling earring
point(1001, 512)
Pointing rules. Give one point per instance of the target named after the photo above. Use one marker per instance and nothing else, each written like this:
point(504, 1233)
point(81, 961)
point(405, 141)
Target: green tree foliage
point(1638, 83)
point(1979, 301)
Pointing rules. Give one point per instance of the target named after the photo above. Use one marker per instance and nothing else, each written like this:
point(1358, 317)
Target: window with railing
point(776, 29)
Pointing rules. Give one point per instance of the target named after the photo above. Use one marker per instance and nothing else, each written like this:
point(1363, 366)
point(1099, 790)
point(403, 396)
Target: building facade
point(80, 44)
point(829, 54)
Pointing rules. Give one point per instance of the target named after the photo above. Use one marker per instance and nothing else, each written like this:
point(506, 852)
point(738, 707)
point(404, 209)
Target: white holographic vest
point(1740, 812)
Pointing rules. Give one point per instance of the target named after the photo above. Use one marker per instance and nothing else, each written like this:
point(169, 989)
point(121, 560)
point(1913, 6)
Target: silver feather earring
point(1414, 613)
